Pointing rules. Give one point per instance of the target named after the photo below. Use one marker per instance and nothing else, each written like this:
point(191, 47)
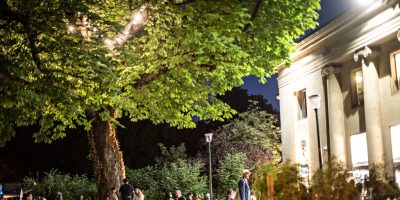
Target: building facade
point(353, 64)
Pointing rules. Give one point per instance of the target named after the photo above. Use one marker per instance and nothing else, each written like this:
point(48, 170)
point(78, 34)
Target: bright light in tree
point(364, 2)
point(70, 29)
point(135, 24)
point(109, 43)
point(119, 40)
point(138, 19)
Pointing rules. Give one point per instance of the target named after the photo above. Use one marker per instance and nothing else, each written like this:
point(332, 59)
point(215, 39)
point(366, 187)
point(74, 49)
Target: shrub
point(229, 173)
point(147, 180)
point(70, 186)
point(380, 187)
point(333, 183)
point(288, 184)
point(171, 172)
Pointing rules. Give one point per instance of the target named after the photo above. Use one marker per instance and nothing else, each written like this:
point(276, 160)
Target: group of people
point(127, 192)
point(243, 193)
point(180, 196)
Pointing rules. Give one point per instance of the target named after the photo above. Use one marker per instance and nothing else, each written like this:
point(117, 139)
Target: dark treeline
point(139, 143)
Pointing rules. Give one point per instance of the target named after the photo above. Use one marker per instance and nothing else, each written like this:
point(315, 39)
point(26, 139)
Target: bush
point(180, 175)
point(288, 184)
point(229, 173)
point(172, 172)
point(70, 186)
point(147, 180)
point(333, 183)
point(379, 186)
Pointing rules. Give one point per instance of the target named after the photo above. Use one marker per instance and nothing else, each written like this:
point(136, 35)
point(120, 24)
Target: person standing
point(126, 190)
point(29, 196)
point(190, 196)
point(197, 197)
point(208, 196)
point(244, 188)
point(113, 194)
point(138, 194)
point(252, 196)
point(178, 195)
point(229, 194)
point(59, 196)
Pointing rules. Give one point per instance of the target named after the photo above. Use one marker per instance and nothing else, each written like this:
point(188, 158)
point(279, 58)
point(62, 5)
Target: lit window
point(395, 137)
point(395, 69)
point(395, 134)
point(359, 157)
point(358, 88)
point(359, 150)
point(302, 100)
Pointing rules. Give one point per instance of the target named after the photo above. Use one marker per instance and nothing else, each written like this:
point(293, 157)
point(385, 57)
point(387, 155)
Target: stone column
point(373, 116)
point(335, 112)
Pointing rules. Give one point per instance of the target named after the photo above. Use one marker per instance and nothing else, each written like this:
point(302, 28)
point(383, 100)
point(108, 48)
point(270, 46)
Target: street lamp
point(209, 139)
point(315, 103)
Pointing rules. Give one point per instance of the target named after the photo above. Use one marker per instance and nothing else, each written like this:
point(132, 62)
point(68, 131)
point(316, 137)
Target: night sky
point(330, 9)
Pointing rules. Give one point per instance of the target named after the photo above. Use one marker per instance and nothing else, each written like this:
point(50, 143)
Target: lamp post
point(315, 104)
point(209, 139)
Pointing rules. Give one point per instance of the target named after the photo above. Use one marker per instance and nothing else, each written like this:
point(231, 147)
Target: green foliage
point(183, 176)
point(147, 180)
point(255, 133)
point(171, 154)
point(333, 183)
point(381, 188)
point(257, 128)
point(70, 186)
point(188, 53)
point(169, 175)
point(229, 172)
point(288, 184)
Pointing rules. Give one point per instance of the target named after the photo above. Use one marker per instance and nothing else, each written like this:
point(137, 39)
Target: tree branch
point(253, 15)
point(148, 78)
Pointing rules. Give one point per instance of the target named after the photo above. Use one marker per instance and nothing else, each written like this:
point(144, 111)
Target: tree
point(255, 133)
point(57, 71)
point(229, 172)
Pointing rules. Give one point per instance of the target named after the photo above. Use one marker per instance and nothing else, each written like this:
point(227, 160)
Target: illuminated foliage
point(58, 70)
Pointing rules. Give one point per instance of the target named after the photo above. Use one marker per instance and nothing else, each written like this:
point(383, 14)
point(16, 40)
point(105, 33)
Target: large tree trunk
point(108, 164)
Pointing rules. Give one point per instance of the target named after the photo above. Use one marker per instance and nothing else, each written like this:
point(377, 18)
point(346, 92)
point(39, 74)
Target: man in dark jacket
point(244, 188)
point(126, 190)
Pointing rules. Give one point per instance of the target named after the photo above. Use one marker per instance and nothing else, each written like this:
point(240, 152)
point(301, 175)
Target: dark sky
point(330, 9)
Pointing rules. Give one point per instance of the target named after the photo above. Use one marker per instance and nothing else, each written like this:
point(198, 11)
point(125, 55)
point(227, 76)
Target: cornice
point(340, 24)
point(352, 35)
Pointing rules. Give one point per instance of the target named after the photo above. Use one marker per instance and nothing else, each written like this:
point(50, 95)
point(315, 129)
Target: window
point(395, 136)
point(395, 69)
point(357, 88)
point(302, 101)
point(359, 157)
point(359, 150)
